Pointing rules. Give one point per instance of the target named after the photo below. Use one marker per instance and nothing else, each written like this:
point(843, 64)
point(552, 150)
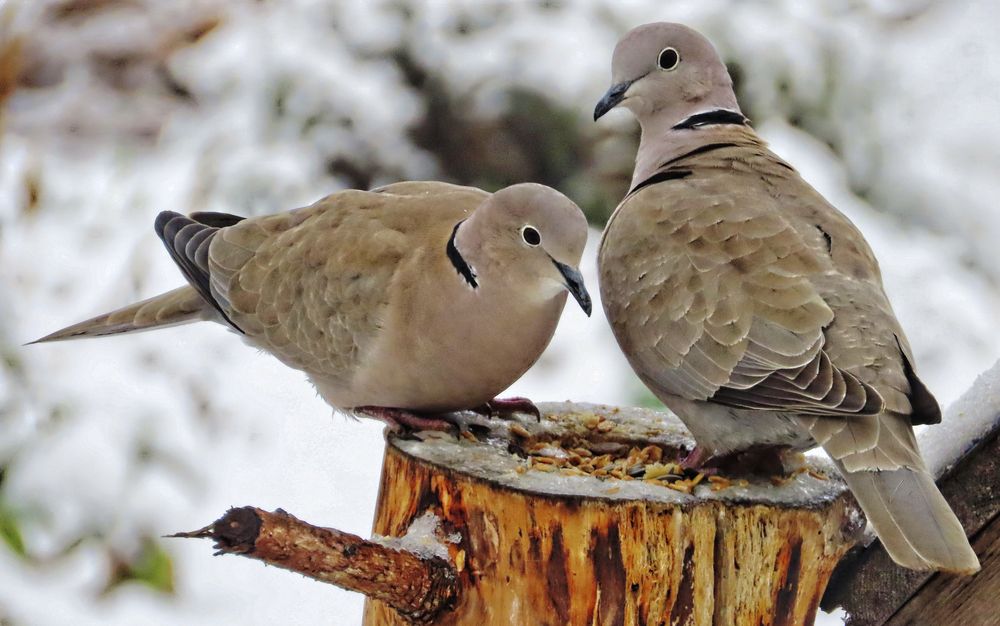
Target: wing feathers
point(188, 242)
point(727, 308)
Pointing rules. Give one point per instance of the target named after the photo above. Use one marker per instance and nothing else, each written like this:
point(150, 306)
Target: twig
point(419, 588)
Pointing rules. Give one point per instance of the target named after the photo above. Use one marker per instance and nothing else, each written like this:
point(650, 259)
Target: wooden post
point(581, 518)
point(875, 591)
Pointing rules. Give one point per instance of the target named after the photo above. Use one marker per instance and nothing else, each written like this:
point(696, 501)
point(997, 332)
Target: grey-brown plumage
point(752, 307)
point(420, 296)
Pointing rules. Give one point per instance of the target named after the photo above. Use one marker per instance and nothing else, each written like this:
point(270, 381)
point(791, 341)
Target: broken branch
point(418, 587)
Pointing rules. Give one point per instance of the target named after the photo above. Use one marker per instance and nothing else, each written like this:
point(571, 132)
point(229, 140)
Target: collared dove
point(752, 307)
point(402, 303)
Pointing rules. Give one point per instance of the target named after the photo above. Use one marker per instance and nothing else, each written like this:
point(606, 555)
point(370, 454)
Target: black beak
point(574, 284)
point(611, 99)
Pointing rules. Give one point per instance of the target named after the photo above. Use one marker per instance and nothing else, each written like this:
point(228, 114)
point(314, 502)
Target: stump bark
point(540, 535)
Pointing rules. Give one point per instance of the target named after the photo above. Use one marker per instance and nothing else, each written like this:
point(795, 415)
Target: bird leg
point(505, 407)
point(401, 419)
point(696, 459)
point(764, 460)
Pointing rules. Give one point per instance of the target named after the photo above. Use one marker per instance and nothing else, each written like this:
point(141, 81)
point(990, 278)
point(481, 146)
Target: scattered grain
point(519, 430)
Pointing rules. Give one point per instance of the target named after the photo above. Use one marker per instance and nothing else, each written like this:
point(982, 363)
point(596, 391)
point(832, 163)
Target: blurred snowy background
point(112, 110)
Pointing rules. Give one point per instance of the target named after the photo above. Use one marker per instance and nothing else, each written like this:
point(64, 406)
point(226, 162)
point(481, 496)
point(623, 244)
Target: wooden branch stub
point(417, 587)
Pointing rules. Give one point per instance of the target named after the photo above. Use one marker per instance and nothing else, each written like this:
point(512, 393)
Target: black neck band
point(458, 261)
point(711, 118)
point(660, 177)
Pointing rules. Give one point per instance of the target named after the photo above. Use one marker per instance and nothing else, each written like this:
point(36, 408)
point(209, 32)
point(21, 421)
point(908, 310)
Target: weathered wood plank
point(871, 588)
point(970, 601)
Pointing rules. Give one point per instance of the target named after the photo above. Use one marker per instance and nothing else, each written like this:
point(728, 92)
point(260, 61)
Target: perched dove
point(752, 307)
point(401, 303)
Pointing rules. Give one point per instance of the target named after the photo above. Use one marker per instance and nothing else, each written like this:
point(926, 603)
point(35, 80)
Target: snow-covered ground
point(889, 108)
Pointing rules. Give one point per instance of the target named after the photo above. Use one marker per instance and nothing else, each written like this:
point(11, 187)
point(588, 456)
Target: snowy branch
point(418, 586)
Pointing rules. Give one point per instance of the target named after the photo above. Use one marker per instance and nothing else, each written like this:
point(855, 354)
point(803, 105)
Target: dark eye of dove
point(530, 235)
point(668, 59)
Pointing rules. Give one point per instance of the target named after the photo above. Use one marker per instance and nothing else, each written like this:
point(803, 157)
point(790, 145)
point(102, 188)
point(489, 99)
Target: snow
point(887, 107)
point(964, 423)
point(422, 538)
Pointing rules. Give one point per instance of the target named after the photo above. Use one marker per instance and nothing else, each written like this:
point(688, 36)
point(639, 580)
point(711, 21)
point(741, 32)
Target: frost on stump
point(581, 518)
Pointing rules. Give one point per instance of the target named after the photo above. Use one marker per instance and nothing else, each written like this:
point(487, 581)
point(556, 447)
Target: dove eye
point(531, 236)
point(669, 59)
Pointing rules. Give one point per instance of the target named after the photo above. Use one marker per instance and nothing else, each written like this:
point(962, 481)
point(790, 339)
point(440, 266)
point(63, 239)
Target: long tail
point(180, 306)
point(880, 460)
point(912, 518)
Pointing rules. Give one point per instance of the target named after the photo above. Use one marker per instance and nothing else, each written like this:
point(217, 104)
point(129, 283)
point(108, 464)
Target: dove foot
point(506, 407)
point(764, 460)
point(696, 459)
point(399, 420)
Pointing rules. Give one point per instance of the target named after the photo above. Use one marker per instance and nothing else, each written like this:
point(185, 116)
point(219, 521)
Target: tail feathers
point(180, 306)
point(913, 520)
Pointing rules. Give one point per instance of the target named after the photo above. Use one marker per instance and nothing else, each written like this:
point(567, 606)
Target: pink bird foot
point(400, 419)
point(764, 460)
point(696, 458)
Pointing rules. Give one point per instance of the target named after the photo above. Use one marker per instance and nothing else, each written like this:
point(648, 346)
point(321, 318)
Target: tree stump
point(582, 517)
point(585, 518)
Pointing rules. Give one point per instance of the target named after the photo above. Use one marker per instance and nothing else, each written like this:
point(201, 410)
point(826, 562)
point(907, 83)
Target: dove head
point(667, 71)
point(530, 236)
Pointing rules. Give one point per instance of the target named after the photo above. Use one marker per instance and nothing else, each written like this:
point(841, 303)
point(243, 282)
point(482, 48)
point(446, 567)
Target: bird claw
point(504, 408)
point(400, 420)
point(697, 459)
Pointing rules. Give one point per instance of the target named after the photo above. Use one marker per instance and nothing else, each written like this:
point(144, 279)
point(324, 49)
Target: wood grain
point(971, 601)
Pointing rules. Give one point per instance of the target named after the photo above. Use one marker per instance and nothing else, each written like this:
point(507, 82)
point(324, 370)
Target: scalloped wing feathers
point(724, 286)
point(312, 285)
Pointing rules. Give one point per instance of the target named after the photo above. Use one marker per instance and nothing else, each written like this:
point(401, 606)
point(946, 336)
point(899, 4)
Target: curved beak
point(612, 98)
point(574, 284)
